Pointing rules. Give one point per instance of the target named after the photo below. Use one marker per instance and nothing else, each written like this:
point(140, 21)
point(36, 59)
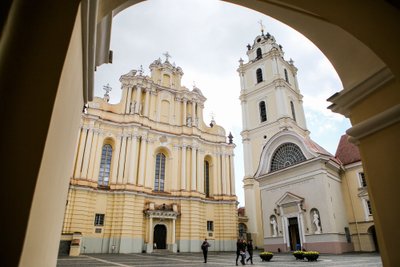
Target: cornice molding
point(343, 101)
point(374, 124)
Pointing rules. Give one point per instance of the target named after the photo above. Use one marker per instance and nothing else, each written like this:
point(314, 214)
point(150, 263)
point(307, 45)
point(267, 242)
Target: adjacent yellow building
point(149, 173)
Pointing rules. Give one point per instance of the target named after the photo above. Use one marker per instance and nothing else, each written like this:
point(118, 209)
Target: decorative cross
point(261, 25)
point(167, 55)
point(107, 88)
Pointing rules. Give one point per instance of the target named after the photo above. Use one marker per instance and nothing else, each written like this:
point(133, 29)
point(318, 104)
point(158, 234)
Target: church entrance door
point(294, 237)
point(160, 236)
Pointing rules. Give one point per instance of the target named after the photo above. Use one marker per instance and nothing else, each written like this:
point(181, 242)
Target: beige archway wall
point(42, 70)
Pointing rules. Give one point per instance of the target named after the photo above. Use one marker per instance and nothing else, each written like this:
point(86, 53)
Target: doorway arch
point(372, 233)
point(160, 236)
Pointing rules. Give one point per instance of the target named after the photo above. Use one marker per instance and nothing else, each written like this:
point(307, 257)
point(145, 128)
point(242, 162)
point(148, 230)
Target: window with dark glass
point(99, 219)
point(210, 226)
point(263, 111)
point(286, 155)
point(259, 75)
point(286, 76)
point(369, 207)
point(207, 178)
point(259, 53)
point(159, 176)
point(363, 182)
point(105, 165)
point(293, 112)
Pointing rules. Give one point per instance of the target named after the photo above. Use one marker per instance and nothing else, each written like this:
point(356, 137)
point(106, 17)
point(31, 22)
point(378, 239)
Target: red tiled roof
point(347, 152)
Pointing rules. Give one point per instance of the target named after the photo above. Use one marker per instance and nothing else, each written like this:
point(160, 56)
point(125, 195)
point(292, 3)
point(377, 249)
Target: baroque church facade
point(149, 173)
point(297, 194)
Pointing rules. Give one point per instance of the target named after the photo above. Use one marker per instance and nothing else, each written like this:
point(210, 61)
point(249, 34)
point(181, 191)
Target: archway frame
point(367, 64)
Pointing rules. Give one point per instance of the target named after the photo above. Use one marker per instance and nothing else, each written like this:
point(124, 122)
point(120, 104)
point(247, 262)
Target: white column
point(150, 163)
point(152, 108)
point(128, 100)
point(142, 160)
point(223, 174)
point(151, 231)
point(227, 175)
point(218, 176)
point(194, 169)
point(94, 154)
point(86, 155)
point(132, 171)
point(147, 103)
point(184, 112)
point(193, 113)
point(174, 159)
point(81, 150)
point(138, 98)
point(127, 159)
point(214, 176)
point(244, 115)
point(233, 187)
point(183, 168)
point(200, 171)
point(122, 161)
point(97, 159)
point(247, 157)
point(173, 231)
point(115, 160)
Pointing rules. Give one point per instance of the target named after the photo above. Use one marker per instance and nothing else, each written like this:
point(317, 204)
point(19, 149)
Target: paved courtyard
point(215, 259)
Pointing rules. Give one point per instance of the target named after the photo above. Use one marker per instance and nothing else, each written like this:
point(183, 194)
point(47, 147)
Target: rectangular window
point(99, 219)
point(348, 236)
point(363, 182)
point(210, 226)
point(369, 208)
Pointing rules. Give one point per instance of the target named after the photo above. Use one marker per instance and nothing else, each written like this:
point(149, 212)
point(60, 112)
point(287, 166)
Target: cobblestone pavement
point(215, 259)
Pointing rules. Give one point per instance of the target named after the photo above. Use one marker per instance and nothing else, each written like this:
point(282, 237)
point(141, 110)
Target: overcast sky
point(206, 38)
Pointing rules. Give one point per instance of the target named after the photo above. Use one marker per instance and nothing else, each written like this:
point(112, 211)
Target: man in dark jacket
point(204, 248)
point(240, 251)
point(250, 251)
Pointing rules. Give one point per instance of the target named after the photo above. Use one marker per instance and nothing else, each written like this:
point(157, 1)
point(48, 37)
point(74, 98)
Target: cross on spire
point(167, 55)
point(261, 25)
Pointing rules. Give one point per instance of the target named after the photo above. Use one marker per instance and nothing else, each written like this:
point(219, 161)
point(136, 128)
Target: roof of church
point(319, 149)
point(347, 152)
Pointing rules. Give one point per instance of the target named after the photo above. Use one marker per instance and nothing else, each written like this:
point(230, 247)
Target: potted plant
point(311, 255)
point(266, 255)
point(298, 254)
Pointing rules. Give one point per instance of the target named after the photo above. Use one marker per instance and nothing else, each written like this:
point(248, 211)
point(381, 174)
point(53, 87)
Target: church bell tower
point(271, 102)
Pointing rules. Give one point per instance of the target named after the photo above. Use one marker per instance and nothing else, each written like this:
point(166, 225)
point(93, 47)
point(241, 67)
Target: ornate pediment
point(289, 198)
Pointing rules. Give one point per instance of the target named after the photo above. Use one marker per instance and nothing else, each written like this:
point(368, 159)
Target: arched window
point(286, 155)
point(105, 165)
point(259, 53)
point(286, 76)
point(159, 176)
point(293, 112)
point(259, 75)
point(207, 178)
point(263, 111)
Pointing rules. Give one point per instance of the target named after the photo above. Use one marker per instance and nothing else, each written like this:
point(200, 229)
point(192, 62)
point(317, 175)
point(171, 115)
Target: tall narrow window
point(369, 208)
point(263, 111)
point(210, 226)
point(99, 219)
point(363, 182)
point(105, 165)
point(159, 173)
point(259, 75)
point(207, 178)
point(293, 112)
point(259, 53)
point(286, 76)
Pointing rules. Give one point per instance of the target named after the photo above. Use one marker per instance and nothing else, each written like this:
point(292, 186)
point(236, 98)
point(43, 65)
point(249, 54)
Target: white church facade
point(149, 173)
point(293, 187)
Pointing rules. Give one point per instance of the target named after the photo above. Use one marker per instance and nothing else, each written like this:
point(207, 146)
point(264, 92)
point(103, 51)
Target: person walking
point(204, 248)
point(250, 251)
point(240, 251)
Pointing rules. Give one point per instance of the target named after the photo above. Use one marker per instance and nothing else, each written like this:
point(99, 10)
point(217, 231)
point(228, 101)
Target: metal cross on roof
point(107, 88)
point(167, 55)
point(261, 25)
